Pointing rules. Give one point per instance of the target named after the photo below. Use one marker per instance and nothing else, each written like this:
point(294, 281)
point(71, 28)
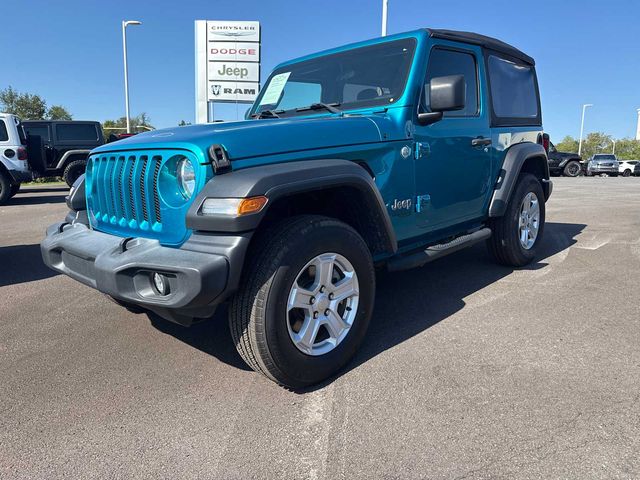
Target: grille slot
point(143, 184)
point(156, 198)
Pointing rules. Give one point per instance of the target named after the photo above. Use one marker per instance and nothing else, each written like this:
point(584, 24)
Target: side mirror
point(446, 94)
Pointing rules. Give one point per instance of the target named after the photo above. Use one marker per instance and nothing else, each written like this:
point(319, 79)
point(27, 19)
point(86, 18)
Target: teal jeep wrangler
point(388, 153)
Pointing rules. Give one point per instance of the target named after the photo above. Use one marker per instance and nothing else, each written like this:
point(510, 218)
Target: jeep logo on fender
point(234, 71)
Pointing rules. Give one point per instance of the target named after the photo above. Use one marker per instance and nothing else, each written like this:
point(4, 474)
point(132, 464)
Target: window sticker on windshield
point(274, 90)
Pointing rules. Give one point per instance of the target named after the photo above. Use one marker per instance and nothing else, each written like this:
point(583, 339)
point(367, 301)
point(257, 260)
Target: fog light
point(161, 283)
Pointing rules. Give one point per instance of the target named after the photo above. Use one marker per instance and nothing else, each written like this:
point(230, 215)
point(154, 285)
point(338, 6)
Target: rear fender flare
point(515, 158)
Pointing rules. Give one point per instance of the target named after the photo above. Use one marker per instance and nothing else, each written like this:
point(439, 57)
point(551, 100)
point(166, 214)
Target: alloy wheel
point(322, 304)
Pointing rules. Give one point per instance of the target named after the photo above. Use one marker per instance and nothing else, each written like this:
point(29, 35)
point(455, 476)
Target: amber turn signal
point(251, 205)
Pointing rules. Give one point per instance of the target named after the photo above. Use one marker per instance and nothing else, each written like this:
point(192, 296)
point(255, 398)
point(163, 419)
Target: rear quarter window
point(4, 134)
point(41, 131)
point(514, 92)
point(76, 133)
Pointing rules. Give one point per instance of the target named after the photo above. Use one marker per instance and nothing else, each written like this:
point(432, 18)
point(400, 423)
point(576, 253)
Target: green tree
point(30, 106)
point(26, 105)
point(568, 144)
point(628, 149)
point(58, 112)
point(596, 142)
point(139, 123)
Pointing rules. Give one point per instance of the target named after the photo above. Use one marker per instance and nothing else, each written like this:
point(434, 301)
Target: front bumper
point(597, 169)
point(200, 273)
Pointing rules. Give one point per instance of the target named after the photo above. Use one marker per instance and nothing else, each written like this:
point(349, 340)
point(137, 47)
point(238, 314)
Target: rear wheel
point(73, 171)
point(5, 187)
point(626, 173)
point(305, 301)
point(518, 232)
point(572, 169)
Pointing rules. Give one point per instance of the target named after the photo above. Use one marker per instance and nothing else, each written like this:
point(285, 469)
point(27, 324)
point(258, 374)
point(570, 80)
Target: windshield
point(361, 77)
point(604, 157)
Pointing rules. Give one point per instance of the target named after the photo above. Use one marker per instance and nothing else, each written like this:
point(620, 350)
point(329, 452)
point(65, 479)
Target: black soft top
point(482, 40)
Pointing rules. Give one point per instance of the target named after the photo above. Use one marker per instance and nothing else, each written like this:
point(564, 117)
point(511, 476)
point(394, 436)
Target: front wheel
point(305, 300)
point(626, 173)
point(517, 234)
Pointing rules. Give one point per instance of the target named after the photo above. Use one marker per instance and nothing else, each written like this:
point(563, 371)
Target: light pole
point(584, 108)
point(126, 23)
point(384, 17)
point(614, 146)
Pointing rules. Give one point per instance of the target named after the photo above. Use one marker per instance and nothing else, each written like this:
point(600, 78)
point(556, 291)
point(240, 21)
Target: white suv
point(14, 168)
point(626, 167)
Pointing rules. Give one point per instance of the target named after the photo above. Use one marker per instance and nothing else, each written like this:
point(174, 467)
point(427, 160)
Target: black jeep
point(66, 146)
point(564, 163)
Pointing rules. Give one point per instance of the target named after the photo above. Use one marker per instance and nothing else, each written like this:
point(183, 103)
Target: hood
point(252, 138)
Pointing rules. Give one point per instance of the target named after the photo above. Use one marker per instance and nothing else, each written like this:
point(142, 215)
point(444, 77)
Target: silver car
point(602, 163)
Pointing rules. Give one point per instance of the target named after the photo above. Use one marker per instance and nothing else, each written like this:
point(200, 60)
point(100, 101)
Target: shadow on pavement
point(22, 263)
point(211, 337)
point(22, 199)
point(44, 189)
point(407, 303)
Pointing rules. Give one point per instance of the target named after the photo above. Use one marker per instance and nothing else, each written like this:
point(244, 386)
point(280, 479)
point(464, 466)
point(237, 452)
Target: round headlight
point(186, 177)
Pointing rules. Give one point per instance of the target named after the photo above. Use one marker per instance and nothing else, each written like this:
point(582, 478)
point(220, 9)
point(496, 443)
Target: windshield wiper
point(321, 106)
point(267, 114)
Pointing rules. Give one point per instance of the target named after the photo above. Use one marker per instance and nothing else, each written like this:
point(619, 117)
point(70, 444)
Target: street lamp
point(584, 108)
point(614, 146)
point(125, 24)
point(384, 17)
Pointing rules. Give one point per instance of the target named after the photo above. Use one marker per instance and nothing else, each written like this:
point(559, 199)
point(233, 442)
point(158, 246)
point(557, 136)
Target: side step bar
point(434, 252)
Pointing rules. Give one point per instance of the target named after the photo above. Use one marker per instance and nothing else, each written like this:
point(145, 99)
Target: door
point(453, 155)
point(43, 130)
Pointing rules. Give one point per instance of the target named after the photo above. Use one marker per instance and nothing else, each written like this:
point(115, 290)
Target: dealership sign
point(227, 63)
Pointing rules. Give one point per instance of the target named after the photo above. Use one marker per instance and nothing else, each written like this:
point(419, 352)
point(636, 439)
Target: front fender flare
point(284, 179)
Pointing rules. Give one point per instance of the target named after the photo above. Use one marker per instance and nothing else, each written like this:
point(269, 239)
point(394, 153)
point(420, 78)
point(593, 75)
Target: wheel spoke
point(335, 324)
point(324, 270)
point(524, 236)
point(345, 288)
point(300, 298)
point(306, 337)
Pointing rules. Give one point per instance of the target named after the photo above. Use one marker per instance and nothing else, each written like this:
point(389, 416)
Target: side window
point(514, 92)
point(69, 132)
point(4, 134)
point(41, 131)
point(443, 62)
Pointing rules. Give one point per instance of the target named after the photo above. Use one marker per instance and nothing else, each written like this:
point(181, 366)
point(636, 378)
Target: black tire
point(572, 169)
point(5, 187)
point(73, 170)
point(626, 173)
point(504, 244)
point(258, 312)
point(15, 188)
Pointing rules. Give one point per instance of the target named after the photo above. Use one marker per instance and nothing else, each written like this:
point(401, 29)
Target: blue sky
point(70, 51)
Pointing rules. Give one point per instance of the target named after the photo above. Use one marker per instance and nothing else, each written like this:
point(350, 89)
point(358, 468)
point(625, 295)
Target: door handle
point(480, 142)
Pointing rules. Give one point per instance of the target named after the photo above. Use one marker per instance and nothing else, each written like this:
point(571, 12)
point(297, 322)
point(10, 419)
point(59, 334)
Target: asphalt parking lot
point(470, 370)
